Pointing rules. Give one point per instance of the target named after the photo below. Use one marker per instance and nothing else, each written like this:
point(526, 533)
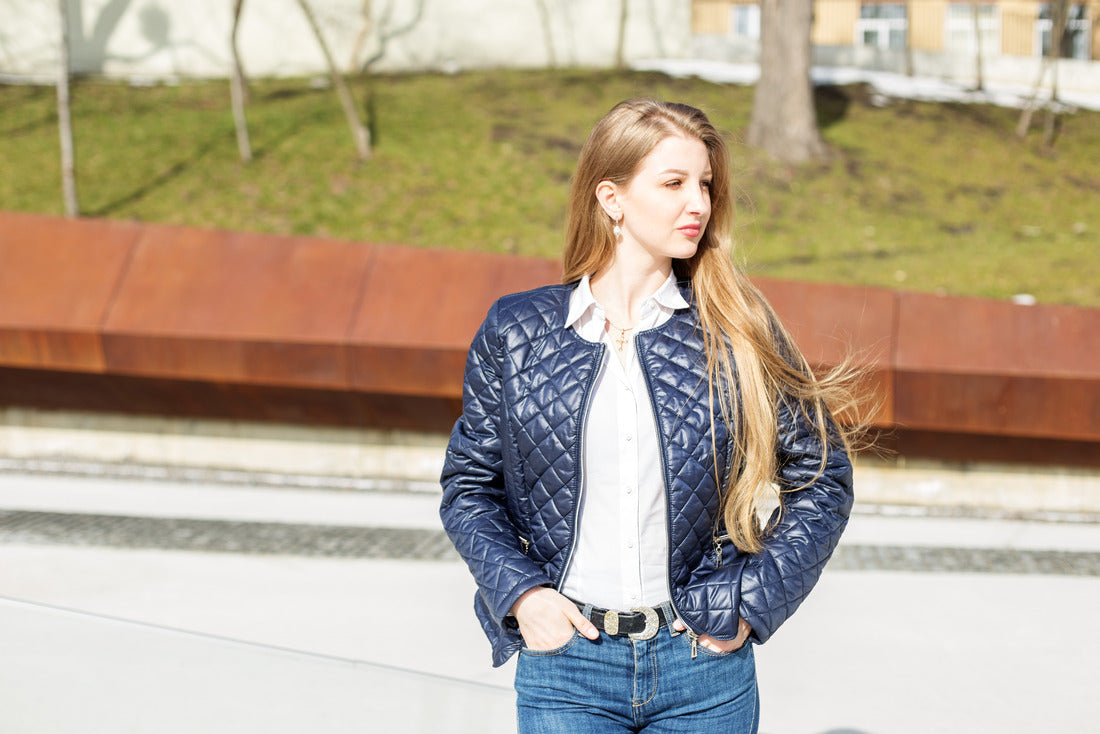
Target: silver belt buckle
point(652, 623)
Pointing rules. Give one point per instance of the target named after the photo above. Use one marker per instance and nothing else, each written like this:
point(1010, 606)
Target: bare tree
point(784, 121)
point(65, 119)
point(620, 61)
point(238, 91)
point(361, 38)
point(548, 36)
point(1059, 17)
point(359, 131)
point(975, 12)
point(909, 65)
point(383, 28)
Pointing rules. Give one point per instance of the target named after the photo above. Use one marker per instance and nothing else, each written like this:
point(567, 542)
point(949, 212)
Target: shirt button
point(629, 489)
point(629, 437)
point(630, 544)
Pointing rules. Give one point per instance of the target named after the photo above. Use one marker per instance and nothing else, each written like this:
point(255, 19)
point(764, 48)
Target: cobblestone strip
point(965, 560)
point(50, 528)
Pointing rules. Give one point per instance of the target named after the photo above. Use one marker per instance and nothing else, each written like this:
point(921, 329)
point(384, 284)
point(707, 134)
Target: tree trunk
point(65, 120)
point(909, 65)
point(620, 62)
point(1024, 123)
point(1059, 16)
point(238, 91)
point(784, 121)
point(547, 32)
point(359, 131)
point(975, 12)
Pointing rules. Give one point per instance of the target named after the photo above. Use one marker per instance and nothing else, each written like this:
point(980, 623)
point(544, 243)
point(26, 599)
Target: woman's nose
point(699, 202)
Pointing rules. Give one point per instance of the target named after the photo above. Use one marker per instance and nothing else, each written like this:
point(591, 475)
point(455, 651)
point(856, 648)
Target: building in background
point(1008, 27)
point(928, 37)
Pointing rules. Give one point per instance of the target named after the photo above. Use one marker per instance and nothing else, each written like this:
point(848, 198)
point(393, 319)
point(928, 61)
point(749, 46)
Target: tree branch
point(359, 131)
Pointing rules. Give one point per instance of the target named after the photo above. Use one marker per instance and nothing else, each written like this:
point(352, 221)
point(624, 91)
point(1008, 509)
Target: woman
point(619, 435)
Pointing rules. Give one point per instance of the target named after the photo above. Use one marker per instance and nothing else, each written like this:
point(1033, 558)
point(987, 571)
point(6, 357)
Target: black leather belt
point(640, 623)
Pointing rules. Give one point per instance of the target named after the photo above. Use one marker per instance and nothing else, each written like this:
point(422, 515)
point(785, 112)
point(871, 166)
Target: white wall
point(190, 38)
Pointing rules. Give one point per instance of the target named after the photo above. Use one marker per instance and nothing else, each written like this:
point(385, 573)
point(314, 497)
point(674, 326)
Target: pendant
point(621, 340)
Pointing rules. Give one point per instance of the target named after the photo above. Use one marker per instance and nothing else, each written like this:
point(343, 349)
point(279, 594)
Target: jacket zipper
point(578, 458)
point(718, 540)
point(643, 354)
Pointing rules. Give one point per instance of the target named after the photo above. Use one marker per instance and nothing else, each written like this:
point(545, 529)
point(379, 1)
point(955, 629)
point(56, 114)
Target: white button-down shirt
point(621, 555)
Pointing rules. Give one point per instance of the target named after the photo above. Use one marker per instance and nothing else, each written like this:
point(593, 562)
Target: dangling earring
point(617, 230)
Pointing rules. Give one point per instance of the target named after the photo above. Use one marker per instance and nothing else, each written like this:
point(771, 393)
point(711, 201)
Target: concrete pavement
point(922, 623)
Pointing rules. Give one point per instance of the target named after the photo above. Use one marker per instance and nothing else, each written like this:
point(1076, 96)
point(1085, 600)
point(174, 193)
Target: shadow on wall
point(88, 41)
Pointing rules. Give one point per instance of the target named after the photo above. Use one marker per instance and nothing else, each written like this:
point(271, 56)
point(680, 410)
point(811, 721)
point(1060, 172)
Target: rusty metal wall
point(134, 318)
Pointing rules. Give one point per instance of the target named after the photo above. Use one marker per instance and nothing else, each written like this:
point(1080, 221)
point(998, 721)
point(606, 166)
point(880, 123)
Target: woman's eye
point(673, 184)
point(705, 184)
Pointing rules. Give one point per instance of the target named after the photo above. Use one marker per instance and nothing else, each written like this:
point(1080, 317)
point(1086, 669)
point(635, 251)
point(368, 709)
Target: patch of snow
point(886, 85)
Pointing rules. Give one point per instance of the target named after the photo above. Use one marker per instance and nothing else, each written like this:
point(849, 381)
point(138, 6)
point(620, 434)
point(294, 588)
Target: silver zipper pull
point(694, 644)
point(717, 554)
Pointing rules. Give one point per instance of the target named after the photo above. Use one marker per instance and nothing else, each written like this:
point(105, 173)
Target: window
point(1075, 40)
point(960, 28)
point(745, 21)
point(881, 25)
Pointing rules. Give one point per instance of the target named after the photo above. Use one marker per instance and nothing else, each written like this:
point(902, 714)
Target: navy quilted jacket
point(512, 474)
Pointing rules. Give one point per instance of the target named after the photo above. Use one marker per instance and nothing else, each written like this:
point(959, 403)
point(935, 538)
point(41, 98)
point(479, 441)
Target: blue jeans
point(615, 684)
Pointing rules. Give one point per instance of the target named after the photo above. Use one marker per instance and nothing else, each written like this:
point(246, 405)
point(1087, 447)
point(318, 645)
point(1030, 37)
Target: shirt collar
point(669, 295)
point(581, 299)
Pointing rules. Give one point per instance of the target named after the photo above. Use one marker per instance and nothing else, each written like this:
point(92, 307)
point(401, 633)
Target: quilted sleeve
point(766, 588)
point(776, 580)
point(474, 507)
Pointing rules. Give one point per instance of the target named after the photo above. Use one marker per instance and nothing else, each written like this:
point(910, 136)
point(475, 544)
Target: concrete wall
point(119, 447)
point(164, 39)
point(148, 40)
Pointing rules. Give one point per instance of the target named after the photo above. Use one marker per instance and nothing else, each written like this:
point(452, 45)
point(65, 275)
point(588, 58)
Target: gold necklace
point(620, 340)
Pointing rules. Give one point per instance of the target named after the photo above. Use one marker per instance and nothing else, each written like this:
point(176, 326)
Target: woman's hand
point(721, 646)
point(547, 619)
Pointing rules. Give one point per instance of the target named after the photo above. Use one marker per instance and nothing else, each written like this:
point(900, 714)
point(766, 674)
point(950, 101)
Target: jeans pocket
point(552, 652)
point(701, 650)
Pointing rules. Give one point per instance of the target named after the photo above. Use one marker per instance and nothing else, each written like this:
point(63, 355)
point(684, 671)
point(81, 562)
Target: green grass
point(930, 197)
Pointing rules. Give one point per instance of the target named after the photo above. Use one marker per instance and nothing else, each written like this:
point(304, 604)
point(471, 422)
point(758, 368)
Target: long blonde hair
point(752, 362)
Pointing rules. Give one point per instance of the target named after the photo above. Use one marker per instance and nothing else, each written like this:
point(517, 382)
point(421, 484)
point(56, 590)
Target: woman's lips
point(691, 230)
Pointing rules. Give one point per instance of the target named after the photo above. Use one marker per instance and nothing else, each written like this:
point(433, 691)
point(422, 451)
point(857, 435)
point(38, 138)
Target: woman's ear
point(607, 193)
